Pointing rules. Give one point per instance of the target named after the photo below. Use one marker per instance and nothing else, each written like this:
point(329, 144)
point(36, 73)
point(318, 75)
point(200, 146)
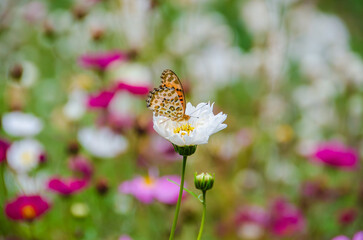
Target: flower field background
point(79, 156)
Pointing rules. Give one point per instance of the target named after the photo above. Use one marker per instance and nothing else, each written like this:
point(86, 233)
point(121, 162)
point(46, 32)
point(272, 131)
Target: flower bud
point(185, 150)
point(203, 181)
point(16, 71)
point(79, 210)
point(102, 186)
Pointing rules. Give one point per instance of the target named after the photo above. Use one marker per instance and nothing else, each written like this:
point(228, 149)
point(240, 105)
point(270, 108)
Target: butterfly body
point(168, 99)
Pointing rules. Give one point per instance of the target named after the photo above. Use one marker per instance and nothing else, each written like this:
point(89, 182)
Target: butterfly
point(168, 99)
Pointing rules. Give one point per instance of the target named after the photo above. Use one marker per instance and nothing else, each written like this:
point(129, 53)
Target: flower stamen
point(28, 212)
point(149, 181)
point(184, 129)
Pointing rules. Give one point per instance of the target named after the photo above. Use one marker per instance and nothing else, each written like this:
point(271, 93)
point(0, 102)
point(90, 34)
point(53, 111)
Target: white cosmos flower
point(20, 124)
point(75, 108)
point(32, 185)
point(196, 130)
point(102, 142)
point(24, 155)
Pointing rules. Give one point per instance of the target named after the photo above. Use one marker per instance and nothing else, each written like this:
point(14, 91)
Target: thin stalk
point(31, 231)
point(203, 217)
point(4, 191)
point(172, 232)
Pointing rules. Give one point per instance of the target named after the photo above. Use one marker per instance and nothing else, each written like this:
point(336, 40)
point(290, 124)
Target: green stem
point(203, 217)
point(2, 179)
point(31, 231)
point(179, 200)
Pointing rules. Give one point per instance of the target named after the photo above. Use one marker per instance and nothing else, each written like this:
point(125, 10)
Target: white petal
point(204, 122)
point(20, 124)
point(102, 142)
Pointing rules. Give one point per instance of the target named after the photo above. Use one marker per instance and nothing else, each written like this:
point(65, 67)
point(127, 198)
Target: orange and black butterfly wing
point(165, 101)
point(171, 80)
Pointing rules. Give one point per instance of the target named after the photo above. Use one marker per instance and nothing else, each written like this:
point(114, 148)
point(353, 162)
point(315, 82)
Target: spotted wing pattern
point(171, 80)
point(168, 100)
point(164, 101)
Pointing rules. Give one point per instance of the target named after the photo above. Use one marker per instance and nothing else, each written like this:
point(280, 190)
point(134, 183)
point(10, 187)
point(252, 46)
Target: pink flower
point(336, 154)
point(4, 145)
point(125, 237)
point(81, 165)
point(66, 186)
point(252, 214)
point(357, 236)
point(101, 99)
point(146, 189)
point(286, 219)
point(26, 208)
point(251, 222)
point(134, 89)
point(341, 237)
point(101, 60)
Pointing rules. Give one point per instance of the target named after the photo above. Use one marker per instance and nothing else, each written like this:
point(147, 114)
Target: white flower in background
point(197, 130)
point(250, 231)
point(192, 31)
point(317, 33)
point(76, 105)
point(102, 142)
point(213, 66)
point(317, 40)
point(32, 185)
point(19, 124)
point(24, 155)
point(256, 16)
point(133, 19)
point(131, 73)
point(124, 104)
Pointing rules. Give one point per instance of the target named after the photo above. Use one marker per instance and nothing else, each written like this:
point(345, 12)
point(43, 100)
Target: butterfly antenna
point(165, 121)
point(197, 110)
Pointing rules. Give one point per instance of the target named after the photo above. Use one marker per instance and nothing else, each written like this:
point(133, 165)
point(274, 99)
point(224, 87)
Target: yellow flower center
point(184, 129)
point(149, 180)
point(26, 158)
point(28, 212)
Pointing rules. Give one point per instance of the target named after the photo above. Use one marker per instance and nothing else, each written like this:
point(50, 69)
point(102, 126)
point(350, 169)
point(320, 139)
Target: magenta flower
point(101, 99)
point(146, 189)
point(336, 154)
point(82, 166)
point(125, 237)
point(67, 186)
point(357, 236)
point(101, 60)
point(4, 145)
point(134, 89)
point(26, 208)
point(286, 219)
